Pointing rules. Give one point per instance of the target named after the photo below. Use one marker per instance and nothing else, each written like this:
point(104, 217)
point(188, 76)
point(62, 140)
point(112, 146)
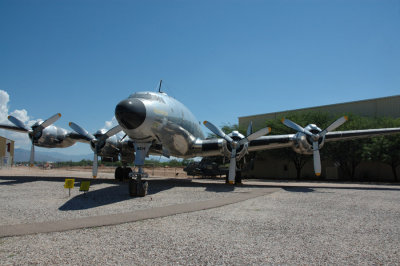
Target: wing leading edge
point(214, 147)
point(358, 134)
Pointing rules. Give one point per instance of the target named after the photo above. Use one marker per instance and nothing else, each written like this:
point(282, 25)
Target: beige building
point(6, 152)
point(268, 167)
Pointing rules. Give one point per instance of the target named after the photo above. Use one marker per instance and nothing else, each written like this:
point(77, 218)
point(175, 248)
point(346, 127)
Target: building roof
point(7, 138)
point(378, 107)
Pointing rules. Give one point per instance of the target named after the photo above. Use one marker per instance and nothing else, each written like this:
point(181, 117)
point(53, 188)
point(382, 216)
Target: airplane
point(44, 134)
point(159, 124)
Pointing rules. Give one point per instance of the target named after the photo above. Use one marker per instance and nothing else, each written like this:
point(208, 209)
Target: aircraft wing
point(213, 147)
point(77, 137)
point(357, 134)
point(218, 146)
point(283, 141)
point(13, 128)
point(271, 142)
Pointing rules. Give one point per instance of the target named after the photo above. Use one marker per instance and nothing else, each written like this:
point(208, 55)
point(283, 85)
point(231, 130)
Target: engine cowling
point(303, 143)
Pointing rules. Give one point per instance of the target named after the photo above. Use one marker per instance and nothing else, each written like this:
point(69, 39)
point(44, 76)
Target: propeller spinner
point(315, 138)
point(235, 145)
point(35, 132)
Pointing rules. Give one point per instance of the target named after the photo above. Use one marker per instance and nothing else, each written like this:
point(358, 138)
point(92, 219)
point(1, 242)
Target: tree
point(226, 128)
point(321, 119)
point(348, 154)
point(385, 149)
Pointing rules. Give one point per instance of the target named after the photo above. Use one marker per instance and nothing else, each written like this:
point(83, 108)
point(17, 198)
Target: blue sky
point(223, 59)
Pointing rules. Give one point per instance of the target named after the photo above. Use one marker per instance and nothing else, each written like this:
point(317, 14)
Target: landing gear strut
point(138, 187)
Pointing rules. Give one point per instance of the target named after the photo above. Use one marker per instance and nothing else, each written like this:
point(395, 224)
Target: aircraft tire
point(119, 173)
point(133, 184)
point(142, 188)
point(126, 172)
point(238, 178)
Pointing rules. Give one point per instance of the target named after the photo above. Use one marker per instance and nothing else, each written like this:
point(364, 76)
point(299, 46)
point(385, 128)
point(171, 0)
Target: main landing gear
point(137, 186)
point(122, 173)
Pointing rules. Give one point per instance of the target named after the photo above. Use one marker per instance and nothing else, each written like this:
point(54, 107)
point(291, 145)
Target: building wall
point(379, 107)
point(269, 167)
point(6, 154)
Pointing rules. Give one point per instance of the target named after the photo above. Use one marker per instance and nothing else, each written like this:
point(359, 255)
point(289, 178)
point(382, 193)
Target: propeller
point(235, 145)
point(96, 142)
point(35, 131)
point(315, 138)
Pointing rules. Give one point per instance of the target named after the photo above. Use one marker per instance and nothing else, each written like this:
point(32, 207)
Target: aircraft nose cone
point(130, 113)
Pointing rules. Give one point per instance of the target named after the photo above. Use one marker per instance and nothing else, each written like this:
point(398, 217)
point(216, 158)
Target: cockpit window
point(141, 95)
point(147, 96)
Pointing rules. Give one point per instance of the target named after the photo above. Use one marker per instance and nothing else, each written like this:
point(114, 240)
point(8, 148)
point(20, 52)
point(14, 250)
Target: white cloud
point(21, 139)
point(4, 99)
point(112, 123)
point(21, 115)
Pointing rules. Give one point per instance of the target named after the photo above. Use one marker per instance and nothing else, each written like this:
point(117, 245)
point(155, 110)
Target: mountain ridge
point(21, 155)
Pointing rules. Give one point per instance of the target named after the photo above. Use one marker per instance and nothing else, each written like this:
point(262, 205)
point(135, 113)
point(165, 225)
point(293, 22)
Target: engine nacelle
point(303, 143)
point(242, 150)
point(127, 152)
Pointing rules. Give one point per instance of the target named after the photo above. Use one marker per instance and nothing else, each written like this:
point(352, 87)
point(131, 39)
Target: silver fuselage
point(168, 125)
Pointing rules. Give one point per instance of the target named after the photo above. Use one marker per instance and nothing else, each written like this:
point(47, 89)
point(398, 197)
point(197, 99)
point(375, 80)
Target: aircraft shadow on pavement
point(299, 189)
point(119, 192)
point(15, 180)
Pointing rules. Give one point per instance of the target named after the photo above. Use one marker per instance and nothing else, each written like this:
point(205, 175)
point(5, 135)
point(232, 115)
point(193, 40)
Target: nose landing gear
point(137, 186)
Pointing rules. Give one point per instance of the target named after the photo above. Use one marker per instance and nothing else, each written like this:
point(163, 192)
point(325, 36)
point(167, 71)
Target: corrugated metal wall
point(380, 107)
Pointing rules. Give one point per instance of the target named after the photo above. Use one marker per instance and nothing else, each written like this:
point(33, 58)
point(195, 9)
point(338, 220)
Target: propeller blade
point(109, 133)
point(32, 158)
point(295, 126)
point(81, 131)
point(255, 135)
point(217, 131)
point(232, 167)
point(50, 121)
point(337, 124)
point(17, 122)
point(14, 128)
point(113, 131)
point(94, 169)
point(317, 159)
point(250, 129)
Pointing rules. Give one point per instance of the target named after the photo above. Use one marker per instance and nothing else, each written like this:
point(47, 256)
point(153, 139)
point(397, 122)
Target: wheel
point(126, 172)
point(142, 188)
point(133, 188)
point(119, 173)
point(238, 178)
